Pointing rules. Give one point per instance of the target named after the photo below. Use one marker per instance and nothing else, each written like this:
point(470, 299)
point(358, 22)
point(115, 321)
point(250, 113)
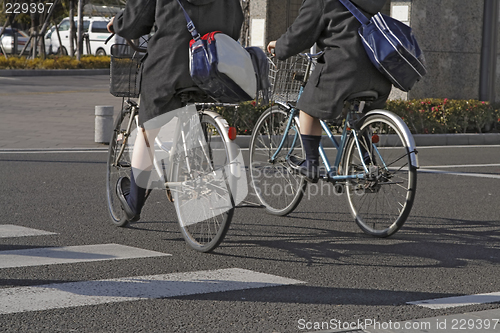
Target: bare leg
point(309, 125)
point(142, 163)
point(142, 156)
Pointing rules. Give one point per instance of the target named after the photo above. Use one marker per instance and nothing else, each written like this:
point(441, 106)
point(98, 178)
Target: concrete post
point(103, 123)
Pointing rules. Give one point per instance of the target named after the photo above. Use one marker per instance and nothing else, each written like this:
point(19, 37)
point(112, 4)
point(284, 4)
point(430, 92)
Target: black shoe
point(311, 173)
point(122, 191)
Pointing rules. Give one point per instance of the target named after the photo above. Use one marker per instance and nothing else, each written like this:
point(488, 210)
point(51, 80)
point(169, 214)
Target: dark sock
point(137, 195)
point(311, 145)
point(365, 142)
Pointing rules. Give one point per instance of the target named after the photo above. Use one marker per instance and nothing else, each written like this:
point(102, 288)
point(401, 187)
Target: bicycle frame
point(332, 171)
point(133, 117)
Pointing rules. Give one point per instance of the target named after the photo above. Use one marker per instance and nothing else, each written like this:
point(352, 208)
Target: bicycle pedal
point(169, 195)
point(338, 189)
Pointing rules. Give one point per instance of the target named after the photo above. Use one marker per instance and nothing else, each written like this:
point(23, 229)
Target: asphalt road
point(448, 247)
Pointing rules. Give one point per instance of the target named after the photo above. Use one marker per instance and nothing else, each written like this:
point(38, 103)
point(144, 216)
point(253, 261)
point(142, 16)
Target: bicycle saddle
point(368, 95)
point(192, 94)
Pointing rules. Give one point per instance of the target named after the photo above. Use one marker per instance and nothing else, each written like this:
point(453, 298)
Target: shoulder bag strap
point(355, 11)
point(190, 25)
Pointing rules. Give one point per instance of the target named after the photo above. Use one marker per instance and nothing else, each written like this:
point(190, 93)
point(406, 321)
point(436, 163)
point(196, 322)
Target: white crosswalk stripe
point(452, 302)
point(72, 254)
point(11, 230)
point(53, 296)
point(82, 293)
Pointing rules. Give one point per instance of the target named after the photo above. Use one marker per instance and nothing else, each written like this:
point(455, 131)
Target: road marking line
point(452, 302)
point(72, 254)
point(72, 294)
point(467, 174)
point(11, 230)
point(457, 146)
point(461, 166)
point(51, 151)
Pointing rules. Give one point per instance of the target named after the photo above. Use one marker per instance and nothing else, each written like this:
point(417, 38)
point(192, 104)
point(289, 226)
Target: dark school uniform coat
point(344, 68)
point(166, 66)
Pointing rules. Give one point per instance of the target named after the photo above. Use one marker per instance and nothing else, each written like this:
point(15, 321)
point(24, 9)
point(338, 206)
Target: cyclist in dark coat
point(343, 69)
point(165, 69)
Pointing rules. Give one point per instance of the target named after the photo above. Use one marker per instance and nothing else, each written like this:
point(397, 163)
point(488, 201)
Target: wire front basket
point(125, 70)
point(286, 78)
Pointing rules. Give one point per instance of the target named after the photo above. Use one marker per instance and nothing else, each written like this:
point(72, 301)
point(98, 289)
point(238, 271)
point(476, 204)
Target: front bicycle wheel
point(381, 201)
point(277, 187)
point(118, 165)
point(204, 201)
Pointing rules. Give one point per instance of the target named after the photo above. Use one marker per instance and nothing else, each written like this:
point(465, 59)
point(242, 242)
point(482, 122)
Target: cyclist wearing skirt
point(342, 70)
point(165, 70)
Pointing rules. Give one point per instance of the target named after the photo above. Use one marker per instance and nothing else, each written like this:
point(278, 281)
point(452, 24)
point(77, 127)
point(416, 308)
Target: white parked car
point(96, 27)
point(48, 42)
point(7, 40)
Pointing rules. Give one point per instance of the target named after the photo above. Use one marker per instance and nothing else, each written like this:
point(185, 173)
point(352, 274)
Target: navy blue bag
point(391, 47)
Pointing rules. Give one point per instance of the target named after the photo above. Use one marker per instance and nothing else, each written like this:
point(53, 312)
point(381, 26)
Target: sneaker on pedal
point(302, 167)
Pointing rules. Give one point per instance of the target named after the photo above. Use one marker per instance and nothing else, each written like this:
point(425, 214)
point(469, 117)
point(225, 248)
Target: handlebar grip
point(109, 38)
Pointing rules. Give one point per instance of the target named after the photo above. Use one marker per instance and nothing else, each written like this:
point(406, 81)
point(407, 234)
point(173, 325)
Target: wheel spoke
point(118, 165)
point(205, 207)
point(388, 191)
point(276, 186)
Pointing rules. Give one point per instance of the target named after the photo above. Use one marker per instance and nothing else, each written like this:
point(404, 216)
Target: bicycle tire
point(117, 168)
point(276, 186)
point(381, 203)
point(206, 235)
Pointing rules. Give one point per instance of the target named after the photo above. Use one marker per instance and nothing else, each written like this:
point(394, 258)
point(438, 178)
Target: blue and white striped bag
point(391, 47)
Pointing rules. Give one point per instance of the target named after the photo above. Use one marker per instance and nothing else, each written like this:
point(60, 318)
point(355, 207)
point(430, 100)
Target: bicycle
point(203, 168)
point(375, 165)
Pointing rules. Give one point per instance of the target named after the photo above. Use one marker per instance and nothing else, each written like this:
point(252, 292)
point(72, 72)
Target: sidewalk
point(52, 111)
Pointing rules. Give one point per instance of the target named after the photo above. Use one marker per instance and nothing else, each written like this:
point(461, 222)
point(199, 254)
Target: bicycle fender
point(232, 147)
point(406, 132)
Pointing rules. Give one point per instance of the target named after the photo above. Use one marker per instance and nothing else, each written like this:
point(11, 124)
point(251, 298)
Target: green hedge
point(423, 116)
point(244, 117)
point(55, 62)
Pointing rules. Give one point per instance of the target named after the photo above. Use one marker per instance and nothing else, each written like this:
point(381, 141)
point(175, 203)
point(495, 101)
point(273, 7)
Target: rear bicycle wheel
point(381, 202)
point(118, 165)
point(204, 203)
point(277, 187)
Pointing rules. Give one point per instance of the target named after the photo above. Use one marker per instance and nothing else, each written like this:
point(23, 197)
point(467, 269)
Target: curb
point(457, 139)
point(52, 72)
point(421, 140)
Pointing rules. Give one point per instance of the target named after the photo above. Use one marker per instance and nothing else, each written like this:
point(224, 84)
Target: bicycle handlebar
point(312, 56)
point(131, 43)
